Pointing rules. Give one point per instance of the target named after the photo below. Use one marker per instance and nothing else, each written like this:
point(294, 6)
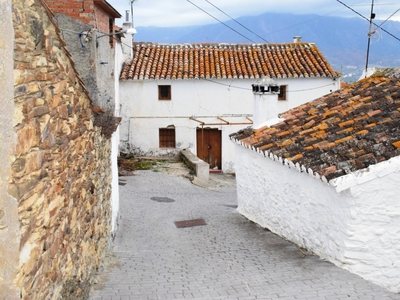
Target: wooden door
point(209, 146)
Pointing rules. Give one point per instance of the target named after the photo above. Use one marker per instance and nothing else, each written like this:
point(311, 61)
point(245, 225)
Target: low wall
point(200, 167)
point(357, 229)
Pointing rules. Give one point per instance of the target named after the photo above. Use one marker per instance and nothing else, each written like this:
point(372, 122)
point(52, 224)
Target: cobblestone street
point(228, 258)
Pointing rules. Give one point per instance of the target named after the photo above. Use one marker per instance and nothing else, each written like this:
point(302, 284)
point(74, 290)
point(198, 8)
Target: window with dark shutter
point(111, 31)
point(167, 137)
point(282, 93)
point(164, 92)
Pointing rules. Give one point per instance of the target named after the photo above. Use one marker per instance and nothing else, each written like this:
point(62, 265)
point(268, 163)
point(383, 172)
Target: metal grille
point(190, 223)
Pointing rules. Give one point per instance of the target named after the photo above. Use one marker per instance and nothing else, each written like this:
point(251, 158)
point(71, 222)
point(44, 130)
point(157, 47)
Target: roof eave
point(108, 8)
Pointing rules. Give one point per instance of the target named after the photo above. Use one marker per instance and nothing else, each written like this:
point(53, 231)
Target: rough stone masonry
point(56, 170)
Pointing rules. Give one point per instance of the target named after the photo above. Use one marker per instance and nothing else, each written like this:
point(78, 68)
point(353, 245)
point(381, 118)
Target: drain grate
point(190, 223)
point(162, 199)
point(122, 183)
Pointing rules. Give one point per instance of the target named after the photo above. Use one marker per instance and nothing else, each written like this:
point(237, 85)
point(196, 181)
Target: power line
point(389, 17)
point(236, 21)
point(365, 18)
point(249, 89)
point(223, 23)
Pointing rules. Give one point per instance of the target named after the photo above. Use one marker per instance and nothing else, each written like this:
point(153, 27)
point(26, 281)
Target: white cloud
point(167, 13)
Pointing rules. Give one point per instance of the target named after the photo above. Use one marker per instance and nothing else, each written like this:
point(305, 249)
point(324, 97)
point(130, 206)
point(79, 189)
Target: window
point(111, 31)
point(167, 137)
point(164, 92)
point(282, 93)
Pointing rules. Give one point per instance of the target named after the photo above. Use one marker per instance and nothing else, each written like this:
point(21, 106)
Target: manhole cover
point(190, 223)
point(162, 199)
point(231, 206)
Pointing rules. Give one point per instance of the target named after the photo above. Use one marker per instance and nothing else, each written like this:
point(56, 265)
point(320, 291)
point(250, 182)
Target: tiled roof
point(340, 133)
point(293, 60)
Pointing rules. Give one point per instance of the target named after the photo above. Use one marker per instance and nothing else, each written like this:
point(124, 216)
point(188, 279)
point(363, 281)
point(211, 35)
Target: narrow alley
point(228, 258)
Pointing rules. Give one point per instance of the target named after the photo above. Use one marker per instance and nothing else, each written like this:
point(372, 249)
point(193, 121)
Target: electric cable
point(223, 23)
point(365, 18)
point(210, 80)
point(236, 21)
point(389, 17)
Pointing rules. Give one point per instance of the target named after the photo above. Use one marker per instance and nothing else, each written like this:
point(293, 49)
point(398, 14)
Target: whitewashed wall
point(143, 113)
point(357, 229)
point(119, 59)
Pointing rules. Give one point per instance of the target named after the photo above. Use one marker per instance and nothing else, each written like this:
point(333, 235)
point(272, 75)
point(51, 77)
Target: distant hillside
point(342, 40)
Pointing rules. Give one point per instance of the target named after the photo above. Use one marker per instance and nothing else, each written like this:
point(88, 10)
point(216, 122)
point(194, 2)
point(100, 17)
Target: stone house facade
point(193, 96)
point(327, 177)
point(55, 181)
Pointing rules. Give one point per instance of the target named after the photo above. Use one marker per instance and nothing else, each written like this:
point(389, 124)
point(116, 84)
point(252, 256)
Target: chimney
point(265, 97)
point(127, 23)
point(127, 39)
point(297, 39)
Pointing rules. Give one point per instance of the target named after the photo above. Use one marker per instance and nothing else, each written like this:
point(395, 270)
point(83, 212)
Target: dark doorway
point(209, 142)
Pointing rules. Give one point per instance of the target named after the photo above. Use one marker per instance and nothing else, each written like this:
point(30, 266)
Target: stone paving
point(229, 258)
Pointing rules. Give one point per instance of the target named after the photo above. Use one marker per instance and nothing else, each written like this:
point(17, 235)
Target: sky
point(169, 13)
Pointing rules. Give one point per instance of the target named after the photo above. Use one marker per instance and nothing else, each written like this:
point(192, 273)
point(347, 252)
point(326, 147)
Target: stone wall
point(61, 169)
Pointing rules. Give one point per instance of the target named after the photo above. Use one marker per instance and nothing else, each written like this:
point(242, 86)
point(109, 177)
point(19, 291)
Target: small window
point(111, 31)
point(167, 137)
point(282, 93)
point(164, 92)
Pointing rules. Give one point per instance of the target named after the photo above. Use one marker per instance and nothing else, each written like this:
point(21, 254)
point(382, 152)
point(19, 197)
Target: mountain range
point(342, 40)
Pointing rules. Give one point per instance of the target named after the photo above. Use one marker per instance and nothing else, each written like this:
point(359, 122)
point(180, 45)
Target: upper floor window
point(164, 92)
point(282, 93)
point(111, 31)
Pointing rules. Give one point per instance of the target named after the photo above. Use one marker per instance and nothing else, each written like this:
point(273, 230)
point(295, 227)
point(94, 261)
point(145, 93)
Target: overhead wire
point(223, 23)
point(389, 17)
point(236, 21)
point(211, 80)
point(365, 18)
point(249, 89)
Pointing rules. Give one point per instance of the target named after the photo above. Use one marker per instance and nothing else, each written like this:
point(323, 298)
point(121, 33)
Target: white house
point(327, 177)
point(194, 96)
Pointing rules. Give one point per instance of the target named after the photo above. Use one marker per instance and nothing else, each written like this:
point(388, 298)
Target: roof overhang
point(223, 120)
point(108, 8)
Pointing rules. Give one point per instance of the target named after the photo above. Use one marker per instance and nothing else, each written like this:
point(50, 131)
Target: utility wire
point(249, 89)
point(223, 23)
point(236, 21)
point(210, 80)
point(365, 18)
point(380, 26)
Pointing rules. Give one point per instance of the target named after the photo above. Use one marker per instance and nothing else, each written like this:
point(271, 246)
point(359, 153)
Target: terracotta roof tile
point(337, 134)
point(292, 60)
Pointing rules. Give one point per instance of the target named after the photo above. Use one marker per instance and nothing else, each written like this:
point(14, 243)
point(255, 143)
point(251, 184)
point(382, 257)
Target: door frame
point(200, 144)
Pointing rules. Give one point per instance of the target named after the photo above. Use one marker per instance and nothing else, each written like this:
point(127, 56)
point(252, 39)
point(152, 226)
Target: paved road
point(229, 258)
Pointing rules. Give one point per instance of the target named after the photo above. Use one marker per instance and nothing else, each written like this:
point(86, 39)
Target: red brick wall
point(102, 20)
point(82, 10)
